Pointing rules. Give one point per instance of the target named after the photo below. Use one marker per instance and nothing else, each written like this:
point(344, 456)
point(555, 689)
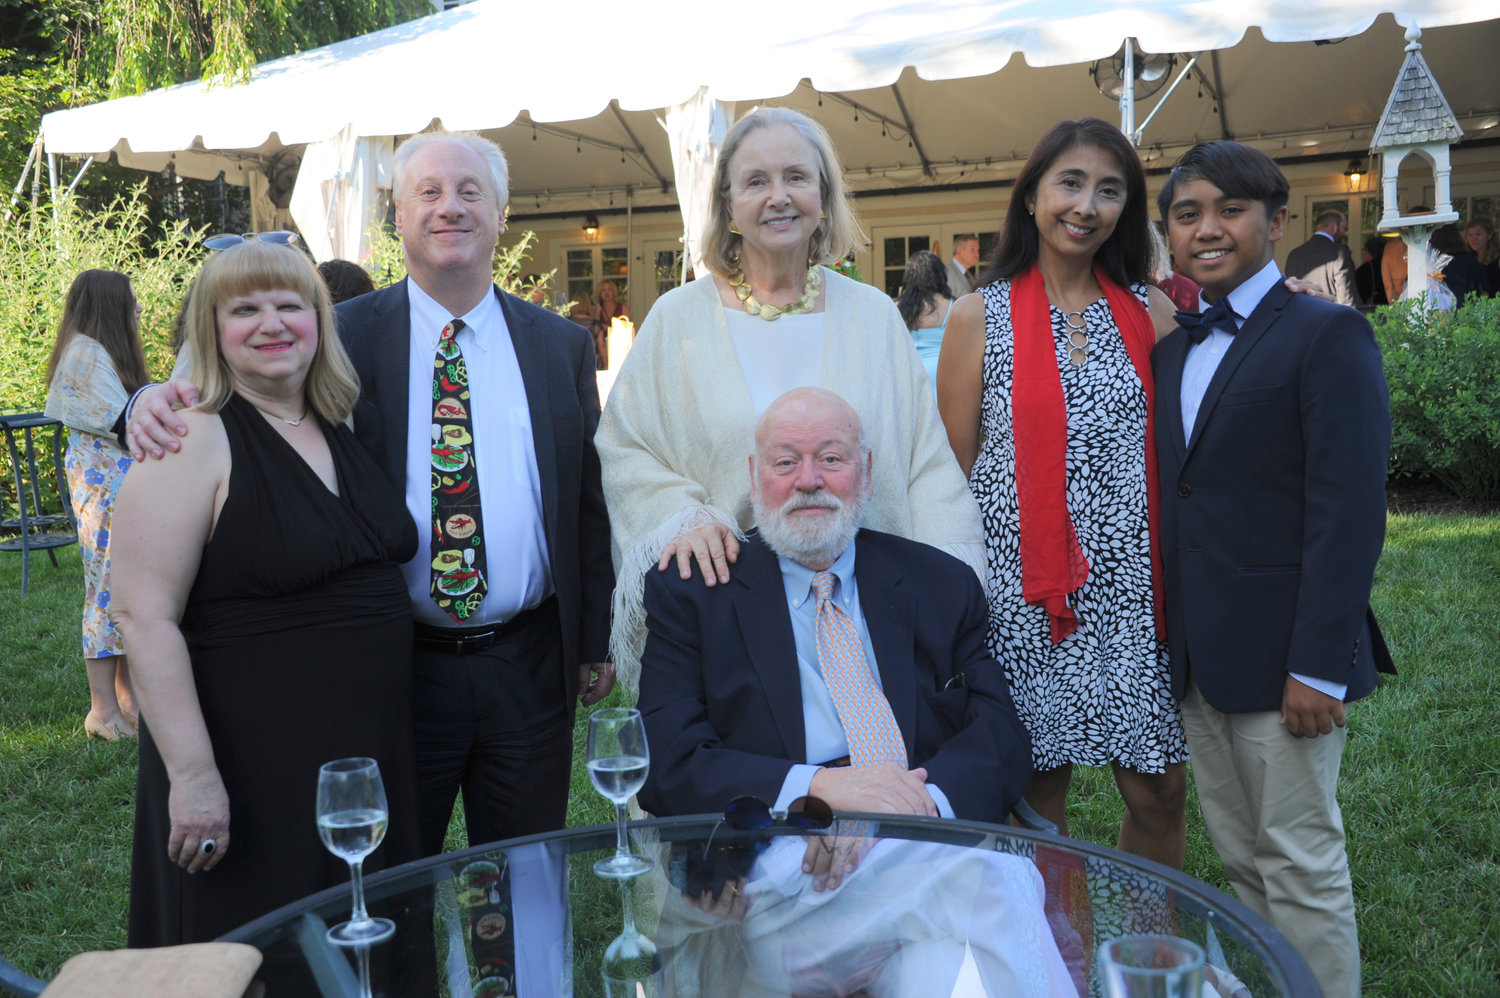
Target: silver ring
point(208, 847)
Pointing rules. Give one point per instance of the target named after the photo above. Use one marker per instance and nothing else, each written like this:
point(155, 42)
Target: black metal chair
point(18, 982)
point(46, 520)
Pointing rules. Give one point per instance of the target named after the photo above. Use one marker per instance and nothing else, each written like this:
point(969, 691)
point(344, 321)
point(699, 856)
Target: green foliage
point(1443, 369)
point(387, 265)
point(41, 254)
point(131, 47)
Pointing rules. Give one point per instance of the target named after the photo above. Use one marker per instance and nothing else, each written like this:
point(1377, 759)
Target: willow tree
point(131, 46)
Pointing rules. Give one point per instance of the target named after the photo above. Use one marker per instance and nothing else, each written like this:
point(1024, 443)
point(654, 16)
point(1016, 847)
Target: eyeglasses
point(229, 240)
point(694, 872)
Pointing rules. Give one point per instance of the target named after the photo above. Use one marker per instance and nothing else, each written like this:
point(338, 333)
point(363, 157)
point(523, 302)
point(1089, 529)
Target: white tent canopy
point(915, 92)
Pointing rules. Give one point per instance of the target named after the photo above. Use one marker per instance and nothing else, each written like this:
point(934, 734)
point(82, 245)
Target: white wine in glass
point(618, 763)
point(352, 818)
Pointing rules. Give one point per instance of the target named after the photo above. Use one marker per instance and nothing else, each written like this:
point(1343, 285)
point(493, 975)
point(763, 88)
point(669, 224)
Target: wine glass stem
point(629, 913)
point(357, 874)
point(622, 848)
point(362, 956)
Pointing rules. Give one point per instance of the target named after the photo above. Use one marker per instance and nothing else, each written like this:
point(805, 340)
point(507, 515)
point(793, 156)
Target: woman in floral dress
point(95, 365)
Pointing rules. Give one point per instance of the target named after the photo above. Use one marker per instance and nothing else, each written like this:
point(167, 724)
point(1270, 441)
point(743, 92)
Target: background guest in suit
point(507, 638)
point(96, 364)
point(924, 303)
point(1367, 282)
point(1273, 432)
point(749, 685)
point(769, 316)
point(1326, 261)
point(965, 259)
point(1044, 385)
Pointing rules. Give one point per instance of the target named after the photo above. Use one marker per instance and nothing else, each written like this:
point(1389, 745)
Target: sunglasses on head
point(229, 240)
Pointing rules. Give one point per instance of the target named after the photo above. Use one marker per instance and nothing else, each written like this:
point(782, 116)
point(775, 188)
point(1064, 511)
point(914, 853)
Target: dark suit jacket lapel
point(1265, 314)
point(534, 360)
point(891, 615)
point(1171, 354)
point(766, 626)
point(390, 362)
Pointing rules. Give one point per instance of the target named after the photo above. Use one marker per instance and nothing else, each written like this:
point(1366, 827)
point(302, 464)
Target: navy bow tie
point(1199, 324)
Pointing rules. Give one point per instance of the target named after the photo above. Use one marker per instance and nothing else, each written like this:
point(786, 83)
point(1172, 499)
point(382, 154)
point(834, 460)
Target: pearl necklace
point(771, 313)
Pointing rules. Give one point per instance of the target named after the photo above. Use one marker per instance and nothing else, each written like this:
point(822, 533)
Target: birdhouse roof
point(1417, 113)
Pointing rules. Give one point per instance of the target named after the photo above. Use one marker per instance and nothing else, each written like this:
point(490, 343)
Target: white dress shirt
point(1198, 370)
point(823, 730)
point(517, 566)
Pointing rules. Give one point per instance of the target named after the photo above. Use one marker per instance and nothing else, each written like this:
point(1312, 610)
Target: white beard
point(814, 541)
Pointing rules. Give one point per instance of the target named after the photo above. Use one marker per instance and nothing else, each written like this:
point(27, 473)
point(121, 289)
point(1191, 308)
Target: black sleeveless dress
point(299, 629)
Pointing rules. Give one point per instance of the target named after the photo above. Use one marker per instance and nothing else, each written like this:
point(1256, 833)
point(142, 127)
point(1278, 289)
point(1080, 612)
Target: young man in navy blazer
point(1273, 428)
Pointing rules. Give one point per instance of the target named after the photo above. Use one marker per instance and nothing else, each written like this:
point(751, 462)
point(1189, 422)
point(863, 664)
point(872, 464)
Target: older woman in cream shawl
point(769, 316)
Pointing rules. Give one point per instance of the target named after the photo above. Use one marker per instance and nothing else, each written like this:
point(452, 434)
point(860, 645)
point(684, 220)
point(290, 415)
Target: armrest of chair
point(1027, 817)
point(15, 981)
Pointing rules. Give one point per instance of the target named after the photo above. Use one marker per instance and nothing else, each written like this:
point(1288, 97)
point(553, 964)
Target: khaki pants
point(1268, 801)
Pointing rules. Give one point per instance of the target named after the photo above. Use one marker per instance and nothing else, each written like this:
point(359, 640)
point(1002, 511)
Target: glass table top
point(934, 907)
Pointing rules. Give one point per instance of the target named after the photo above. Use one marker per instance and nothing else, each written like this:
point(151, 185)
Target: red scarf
point(1053, 565)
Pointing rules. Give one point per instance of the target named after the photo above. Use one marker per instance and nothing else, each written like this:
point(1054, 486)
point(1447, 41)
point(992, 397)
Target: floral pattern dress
point(86, 396)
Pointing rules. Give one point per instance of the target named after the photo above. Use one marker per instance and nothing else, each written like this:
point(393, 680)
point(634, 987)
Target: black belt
point(468, 640)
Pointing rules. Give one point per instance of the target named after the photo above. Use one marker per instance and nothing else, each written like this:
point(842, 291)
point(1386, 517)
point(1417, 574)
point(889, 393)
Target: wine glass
point(631, 967)
point(1151, 966)
point(352, 817)
point(618, 763)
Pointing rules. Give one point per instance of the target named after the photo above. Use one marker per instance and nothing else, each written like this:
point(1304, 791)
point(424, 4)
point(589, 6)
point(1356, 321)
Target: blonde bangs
point(332, 386)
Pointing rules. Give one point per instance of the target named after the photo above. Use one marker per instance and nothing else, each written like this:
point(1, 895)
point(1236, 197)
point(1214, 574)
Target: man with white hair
point(849, 665)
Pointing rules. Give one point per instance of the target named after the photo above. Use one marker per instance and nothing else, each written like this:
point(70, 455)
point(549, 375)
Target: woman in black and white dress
point(1045, 389)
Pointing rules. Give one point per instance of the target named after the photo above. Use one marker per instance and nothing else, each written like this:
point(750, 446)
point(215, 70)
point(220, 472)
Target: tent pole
point(1135, 136)
point(629, 241)
point(15, 195)
point(1127, 94)
point(86, 164)
point(52, 182)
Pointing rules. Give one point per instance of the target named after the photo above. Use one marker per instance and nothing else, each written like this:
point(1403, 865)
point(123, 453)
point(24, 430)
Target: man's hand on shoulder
point(882, 789)
point(154, 425)
point(1307, 713)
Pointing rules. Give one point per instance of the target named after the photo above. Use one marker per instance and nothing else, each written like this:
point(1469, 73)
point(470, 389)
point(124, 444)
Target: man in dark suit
point(493, 687)
point(511, 593)
point(849, 665)
point(1325, 260)
point(726, 670)
point(1273, 428)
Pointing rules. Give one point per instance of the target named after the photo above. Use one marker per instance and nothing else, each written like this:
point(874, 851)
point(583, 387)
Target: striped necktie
point(869, 724)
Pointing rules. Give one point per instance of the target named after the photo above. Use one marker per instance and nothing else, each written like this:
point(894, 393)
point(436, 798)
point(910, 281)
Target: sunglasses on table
point(229, 240)
point(694, 871)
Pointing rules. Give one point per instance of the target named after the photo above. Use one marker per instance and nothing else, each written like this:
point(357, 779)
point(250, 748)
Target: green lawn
point(1420, 787)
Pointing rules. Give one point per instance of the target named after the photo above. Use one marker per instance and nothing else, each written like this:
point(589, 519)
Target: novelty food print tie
point(458, 583)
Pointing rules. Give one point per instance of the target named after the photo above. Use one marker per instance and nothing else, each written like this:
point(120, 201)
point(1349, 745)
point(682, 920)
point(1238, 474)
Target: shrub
point(40, 254)
point(1443, 369)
